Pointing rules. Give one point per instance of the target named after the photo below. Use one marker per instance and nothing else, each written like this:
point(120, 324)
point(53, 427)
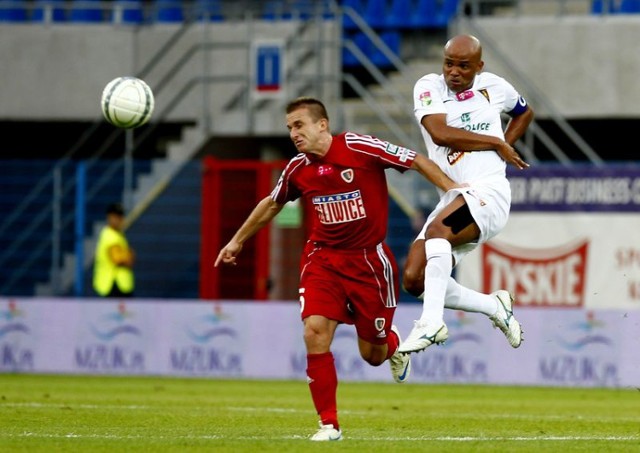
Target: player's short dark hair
point(316, 108)
point(115, 208)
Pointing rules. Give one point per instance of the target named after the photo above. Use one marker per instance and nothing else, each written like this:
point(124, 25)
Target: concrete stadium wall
point(586, 65)
point(58, 72)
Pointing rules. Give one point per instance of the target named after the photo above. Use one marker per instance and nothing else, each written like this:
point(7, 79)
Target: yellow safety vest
point(105, 271)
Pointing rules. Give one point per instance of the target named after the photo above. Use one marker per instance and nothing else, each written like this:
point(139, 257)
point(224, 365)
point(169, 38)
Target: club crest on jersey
point(425, 98)
point(485, 93)
point(325, 170)
point(347, 175)
point(379, 323)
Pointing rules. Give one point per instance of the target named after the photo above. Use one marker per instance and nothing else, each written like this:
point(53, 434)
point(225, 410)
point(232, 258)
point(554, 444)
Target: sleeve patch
point(402, 154)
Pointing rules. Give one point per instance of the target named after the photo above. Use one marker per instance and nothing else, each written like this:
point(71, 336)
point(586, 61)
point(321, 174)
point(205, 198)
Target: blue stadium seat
point(399, 16)
point(128, 11)
point(630, 6)
point(349, 60)
point(602, 6)
point(86, 11)
point(425, 14)
point(168, 11)
point(13, 11)
point(393, 40)
point(49, 10)
point(375, 13)
point(210, 10)
point(275, 10)
point(358, 7)
point(447, 9)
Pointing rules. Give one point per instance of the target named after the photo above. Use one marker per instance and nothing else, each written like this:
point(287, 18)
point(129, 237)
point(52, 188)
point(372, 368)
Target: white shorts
point(489, 204)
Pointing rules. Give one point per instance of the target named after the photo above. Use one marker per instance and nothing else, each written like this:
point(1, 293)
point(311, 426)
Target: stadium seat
point(49, 10)
point(13, 11)
point(375, 13)
point(128, 11)
point(348, 24)
point(168, 11)
point(447, 9)
point(86, 11)
point(630, 6)
point(425, 14)
point(399, 16)
point(361, 41)
point(393, 40)
point(210, 10)
point(603, 6)
point(275, 10)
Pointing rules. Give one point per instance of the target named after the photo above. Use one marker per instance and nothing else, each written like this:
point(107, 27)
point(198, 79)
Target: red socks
point(392, 343)
point(323, 383)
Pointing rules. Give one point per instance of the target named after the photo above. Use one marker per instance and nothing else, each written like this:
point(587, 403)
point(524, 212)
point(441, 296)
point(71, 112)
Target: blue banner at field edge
point(582, 188)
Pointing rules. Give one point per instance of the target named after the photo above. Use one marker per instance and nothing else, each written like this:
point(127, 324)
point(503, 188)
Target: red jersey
point(347, 189)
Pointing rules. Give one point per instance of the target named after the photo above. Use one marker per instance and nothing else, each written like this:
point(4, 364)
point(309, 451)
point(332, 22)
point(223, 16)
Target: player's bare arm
point(517, 126)
point(262, 214)
point(430, 170)
point(462, 140)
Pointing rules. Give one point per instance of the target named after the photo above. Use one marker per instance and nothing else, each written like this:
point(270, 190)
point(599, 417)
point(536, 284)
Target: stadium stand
point(13, 11)
point(630, 6)
point(128, 12)
point(168, 11)
point(83, 11)
point(49, 11)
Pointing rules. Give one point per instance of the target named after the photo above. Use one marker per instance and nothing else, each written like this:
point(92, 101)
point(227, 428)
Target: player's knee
point(413, 281)
point(316, 336)
point(374, 359)
point(437, 230)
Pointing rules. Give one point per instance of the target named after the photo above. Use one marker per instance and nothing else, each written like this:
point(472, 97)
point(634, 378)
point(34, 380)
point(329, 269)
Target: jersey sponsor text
point(339, 208)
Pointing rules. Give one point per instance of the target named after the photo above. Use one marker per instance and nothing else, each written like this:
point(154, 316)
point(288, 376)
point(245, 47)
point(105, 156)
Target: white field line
point(376, 439)
point(599, 418)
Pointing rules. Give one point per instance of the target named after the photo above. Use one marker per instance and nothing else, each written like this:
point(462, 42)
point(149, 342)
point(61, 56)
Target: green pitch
point(131, 414)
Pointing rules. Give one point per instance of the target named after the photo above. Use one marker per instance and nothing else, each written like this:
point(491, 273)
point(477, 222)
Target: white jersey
point(477, 109)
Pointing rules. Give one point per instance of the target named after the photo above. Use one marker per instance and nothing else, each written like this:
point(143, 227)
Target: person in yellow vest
point(113, 264)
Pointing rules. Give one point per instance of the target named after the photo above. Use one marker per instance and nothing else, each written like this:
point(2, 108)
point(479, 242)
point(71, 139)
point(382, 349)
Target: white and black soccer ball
point(127, 102)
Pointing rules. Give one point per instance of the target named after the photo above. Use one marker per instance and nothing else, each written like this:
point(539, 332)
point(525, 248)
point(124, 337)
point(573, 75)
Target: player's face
point(460, 67)
point(305, 132)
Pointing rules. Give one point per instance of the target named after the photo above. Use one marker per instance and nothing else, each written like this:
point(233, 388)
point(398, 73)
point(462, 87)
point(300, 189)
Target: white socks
point(459, 297)
point(436, 281)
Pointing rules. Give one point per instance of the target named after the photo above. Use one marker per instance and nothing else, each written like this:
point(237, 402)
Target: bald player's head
point(462, 61)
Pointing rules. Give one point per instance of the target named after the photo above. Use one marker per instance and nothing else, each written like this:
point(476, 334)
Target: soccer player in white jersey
point(460, 116)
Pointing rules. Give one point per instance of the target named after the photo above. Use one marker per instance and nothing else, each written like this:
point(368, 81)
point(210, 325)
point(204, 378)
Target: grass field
point(93, 414)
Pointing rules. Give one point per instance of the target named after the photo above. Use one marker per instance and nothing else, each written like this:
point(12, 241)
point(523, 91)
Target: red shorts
point(357, 287)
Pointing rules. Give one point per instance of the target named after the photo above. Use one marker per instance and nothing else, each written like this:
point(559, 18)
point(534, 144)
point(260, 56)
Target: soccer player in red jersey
point(348, 274)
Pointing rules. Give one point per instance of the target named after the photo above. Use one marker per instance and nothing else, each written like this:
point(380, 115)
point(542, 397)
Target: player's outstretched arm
point(430, 170)
point(262, 214)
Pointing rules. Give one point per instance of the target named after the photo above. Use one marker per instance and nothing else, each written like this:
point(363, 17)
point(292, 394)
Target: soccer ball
point(127, 102)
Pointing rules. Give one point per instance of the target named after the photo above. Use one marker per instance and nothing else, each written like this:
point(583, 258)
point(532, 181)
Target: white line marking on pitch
point(297, 437)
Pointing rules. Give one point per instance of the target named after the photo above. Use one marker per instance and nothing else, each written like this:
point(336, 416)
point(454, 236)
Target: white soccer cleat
point(326, 433)
point(400, 363)
point(504, 319)
point(422, 336)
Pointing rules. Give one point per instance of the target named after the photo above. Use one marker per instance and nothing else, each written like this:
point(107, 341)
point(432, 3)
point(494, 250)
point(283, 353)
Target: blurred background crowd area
point(221, 72)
